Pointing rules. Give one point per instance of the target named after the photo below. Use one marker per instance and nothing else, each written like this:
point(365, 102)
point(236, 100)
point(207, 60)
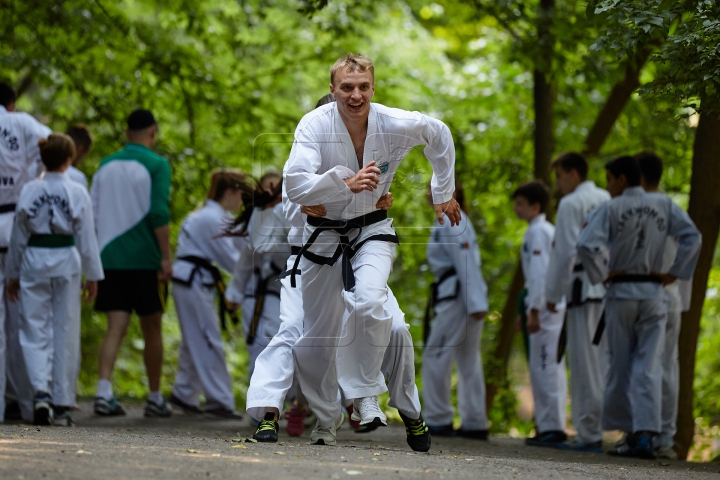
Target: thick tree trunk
point(544, 98)
point(704, 209)
point(616, 101)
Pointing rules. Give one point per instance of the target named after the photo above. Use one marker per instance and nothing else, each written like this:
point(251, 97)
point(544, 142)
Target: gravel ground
point(133, 447)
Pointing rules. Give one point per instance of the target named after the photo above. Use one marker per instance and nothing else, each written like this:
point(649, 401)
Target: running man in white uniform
point(344, 157)
point(547, 375)
point(53, 243)
point(459, 300)
point(623, 244)
point(196, 278)
point(567, 278)
point(19, 163)
point(678, 292)
point(275, 367)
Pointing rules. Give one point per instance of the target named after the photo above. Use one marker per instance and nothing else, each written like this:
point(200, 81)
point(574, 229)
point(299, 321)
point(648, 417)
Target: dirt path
point(134, 448)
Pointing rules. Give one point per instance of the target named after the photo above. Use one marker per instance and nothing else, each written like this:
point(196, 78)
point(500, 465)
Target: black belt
point(261, 291)
point(219, 285)
point(578, 268)
point(434, 300)
point(631, 278)
point(346, 248)
point(295, 250)
point(7, 208)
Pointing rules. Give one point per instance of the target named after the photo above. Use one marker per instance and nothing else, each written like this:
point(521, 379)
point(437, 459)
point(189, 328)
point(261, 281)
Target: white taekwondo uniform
point(459, 290)
point(255, 276)
point(567, 278)
point(275, 367)
point(629, 234)
point(19, 163)
point(547, 376)
point(322, 157)
point(201, 363)
point(53, 243)
point(77, 176)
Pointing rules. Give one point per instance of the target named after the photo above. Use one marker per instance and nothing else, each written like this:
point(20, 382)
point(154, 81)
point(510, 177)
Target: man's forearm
point(163, 238)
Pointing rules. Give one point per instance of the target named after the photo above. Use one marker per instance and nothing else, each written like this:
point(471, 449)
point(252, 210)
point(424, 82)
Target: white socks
point(156, 398)
point(104, 389)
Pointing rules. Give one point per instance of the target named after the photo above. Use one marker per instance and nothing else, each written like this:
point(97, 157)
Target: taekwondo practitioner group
point(310, 250)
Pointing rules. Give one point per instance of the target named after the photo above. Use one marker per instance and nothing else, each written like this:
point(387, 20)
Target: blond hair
point(354, 62)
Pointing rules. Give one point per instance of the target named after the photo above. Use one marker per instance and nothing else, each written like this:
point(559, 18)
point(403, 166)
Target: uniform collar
point(633, 191)
point(213, 205)
point(586, 185)
point(54, 176)
point(137, 147)
point(540, 218)
point(3, 110)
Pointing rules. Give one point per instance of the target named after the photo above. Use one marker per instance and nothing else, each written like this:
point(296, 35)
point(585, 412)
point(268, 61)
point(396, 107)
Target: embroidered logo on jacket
point(57, 201)
point(9, 139)
point(383, 167)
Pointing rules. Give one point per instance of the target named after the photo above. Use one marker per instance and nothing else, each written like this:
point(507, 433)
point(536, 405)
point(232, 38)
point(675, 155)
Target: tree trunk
point(616, 101)
point(704, 209)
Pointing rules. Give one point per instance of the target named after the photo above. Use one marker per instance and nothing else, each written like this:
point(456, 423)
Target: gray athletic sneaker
point(63, 419)
point(108, 408)
point(152, 409)
point(326, 436)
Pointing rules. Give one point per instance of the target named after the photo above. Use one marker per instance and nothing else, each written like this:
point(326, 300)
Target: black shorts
point(128, 290)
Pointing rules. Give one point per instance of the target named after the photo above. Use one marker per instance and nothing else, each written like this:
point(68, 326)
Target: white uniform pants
point(50, 335)
point(3, 338)
point(201, 363)
point(547, 376)
point(267, 326)
point(588, 370)
point(325, 304)
point(670, 380)
point(454, 338)
point(275, 367)
point(19, 388)
point(636, 336)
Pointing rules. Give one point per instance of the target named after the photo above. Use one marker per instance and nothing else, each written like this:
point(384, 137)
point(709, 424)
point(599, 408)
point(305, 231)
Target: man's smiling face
point(353, 90)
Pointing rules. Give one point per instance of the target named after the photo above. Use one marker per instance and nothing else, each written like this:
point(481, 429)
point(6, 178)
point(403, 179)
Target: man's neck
point(654, 189)
point(145, 142)
point(530, 220)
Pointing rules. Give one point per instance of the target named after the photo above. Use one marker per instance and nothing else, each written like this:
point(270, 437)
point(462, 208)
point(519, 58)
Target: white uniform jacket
point(535, 257)
point(564, 267)
point(263, 254)
point(19, 162)
point(455, 249)
point(54, 204)
point(201, 236)
point(77, 176)
point(629, 234)
point(323, 156)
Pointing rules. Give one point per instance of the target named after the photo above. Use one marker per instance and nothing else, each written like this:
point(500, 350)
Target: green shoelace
point(267, 425)
point(416, 428)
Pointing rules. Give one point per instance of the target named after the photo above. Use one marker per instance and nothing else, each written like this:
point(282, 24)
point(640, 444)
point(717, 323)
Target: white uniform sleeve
point(592, 247)
point(466, 262)
point(689, 241)
point(440, 152)
point(563, 253)
point(241, 274)
point(18, 244)
point(535, 276)
point(86, 240)
point(302, 182)
point(34, 131)
point(221, 248)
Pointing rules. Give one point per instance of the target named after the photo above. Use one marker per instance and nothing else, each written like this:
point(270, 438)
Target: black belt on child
point(219, 284)
point(346, 248)
point(434, 300)
point(625, 278)
point(51, 241)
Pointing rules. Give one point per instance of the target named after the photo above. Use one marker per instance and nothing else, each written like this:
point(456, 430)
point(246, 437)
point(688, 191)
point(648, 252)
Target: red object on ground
point(295, 421)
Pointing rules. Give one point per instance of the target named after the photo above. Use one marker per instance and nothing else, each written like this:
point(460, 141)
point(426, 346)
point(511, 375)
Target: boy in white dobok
point(547, 375)
point(53, 242)
point(344, 157)
point(567, 278)
point(459, 300)
point(678, 293)
point(19, 163)
point(201, 252)
point(622, 244)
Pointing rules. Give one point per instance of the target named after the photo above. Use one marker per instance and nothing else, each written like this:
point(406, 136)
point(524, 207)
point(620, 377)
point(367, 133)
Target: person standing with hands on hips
point(130, 194)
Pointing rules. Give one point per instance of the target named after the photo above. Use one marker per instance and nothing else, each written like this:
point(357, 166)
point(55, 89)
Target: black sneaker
point(108, 408)
point(418, 434)
point(638, 445)
point(12, 411)
point(552, 438)
point(267, 429)
point(153, 409)
point(186, 408)
point(442, 430)
point(42, 409)
point(62, 417)
point(224, 413)
point(474, 434)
